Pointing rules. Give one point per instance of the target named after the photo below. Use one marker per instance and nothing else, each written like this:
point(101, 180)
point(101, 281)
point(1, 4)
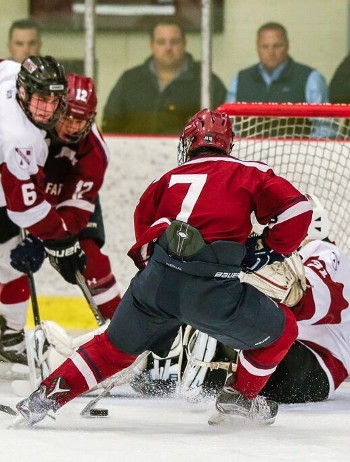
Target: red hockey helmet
point(206, 129)
point(81, 102)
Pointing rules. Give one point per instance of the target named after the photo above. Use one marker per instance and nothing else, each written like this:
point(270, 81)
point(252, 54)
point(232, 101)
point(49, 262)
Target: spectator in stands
point(24, 39)
point(160, 95)
point(277, 77)
point(339, 88)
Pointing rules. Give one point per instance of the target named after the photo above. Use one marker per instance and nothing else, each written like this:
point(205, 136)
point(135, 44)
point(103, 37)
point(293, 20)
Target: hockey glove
point(66, 256)
point(259, 254)
point(29, 255)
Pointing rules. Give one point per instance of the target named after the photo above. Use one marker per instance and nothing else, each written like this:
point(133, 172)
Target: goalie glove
point(259, 254)
point(284, 281)
point(66, 256)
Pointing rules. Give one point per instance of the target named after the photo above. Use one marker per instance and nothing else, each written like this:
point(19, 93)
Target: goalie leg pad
point(206, 369)
point(160, 375)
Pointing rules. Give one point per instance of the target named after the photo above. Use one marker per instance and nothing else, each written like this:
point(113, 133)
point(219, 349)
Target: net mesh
point(309, 145)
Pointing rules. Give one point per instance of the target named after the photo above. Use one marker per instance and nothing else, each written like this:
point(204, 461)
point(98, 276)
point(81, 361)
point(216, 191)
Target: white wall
point(134, 163)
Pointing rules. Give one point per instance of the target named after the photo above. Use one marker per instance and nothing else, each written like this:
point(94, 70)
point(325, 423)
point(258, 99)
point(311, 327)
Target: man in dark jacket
point(339, 88)
point(160, 95)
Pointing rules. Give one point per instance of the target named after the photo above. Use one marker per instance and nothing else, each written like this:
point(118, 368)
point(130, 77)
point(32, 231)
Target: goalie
point(318, 293)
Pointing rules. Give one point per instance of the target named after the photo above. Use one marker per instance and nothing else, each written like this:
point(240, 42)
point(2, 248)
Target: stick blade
point(7, 410)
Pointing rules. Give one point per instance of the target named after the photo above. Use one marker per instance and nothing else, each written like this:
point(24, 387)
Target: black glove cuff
point(61, 248)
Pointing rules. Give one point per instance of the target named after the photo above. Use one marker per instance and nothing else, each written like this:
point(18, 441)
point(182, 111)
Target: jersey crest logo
point(23, 157)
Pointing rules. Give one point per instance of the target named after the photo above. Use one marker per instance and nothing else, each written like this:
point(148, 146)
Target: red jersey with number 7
point(217, 195)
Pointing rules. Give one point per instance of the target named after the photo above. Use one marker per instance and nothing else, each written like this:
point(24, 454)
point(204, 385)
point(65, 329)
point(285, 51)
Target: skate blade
point(19, 422)
point(218, 419)
point(22, 422)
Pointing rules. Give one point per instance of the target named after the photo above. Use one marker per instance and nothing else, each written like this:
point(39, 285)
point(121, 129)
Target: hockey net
point(308, 144)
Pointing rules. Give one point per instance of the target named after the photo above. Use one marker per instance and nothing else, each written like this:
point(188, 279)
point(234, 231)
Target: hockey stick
point(91, 302)
point(120, 378)
point(38, 335)
point(7, 409)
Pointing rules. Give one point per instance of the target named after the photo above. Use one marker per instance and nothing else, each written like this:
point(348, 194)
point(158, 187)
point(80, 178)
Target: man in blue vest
point(277, 77)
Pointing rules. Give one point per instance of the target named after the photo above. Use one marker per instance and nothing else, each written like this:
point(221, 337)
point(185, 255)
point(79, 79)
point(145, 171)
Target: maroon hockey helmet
point(81, 103)
point(206, 129)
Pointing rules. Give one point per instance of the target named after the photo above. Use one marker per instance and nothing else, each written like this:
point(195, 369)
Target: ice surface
point(173, 430)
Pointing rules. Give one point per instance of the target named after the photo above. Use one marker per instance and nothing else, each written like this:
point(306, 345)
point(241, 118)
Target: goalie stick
point(120, 378)
point(91, 302)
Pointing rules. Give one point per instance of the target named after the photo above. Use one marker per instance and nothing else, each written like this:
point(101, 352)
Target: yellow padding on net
point(69, 312)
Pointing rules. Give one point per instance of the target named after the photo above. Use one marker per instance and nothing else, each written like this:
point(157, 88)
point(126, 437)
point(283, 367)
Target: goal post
point(308, 144)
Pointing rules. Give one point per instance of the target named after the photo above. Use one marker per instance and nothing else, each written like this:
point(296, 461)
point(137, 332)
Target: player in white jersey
point(319, 361)
point(31, 100)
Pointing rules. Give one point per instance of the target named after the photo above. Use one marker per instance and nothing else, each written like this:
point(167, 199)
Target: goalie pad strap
point(211, 365)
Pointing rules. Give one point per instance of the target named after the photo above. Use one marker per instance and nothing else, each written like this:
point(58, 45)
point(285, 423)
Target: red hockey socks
point(92, 363)
point(256, 366)
point(100, 279)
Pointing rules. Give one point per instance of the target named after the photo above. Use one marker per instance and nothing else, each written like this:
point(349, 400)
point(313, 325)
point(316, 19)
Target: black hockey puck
point(99, 412)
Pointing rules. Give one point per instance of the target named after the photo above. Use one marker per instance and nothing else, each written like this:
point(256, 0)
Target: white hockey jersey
point(324, 313)
point(23, 153)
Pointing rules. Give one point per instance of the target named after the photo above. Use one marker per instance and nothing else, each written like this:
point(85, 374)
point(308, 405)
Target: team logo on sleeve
point(23, 157)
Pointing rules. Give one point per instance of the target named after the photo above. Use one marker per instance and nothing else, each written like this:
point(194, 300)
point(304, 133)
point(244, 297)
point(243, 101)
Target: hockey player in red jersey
point(73, 175)
point(192, 227)
point(31, 101)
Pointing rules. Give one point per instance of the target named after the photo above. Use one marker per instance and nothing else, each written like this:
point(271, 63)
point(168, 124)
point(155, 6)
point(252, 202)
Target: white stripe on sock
point(252, 369)
point(84, 369)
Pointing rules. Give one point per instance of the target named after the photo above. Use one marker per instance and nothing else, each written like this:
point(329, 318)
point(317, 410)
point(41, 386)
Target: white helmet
point(319, 226)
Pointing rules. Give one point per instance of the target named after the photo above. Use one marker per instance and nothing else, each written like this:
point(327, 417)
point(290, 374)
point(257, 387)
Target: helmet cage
point(183, 148)
point(43, 76)
point(65, 122)
point(81, 102)
point(206, 129)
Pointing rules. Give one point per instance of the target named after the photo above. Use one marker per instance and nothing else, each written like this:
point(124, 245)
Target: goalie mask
point(81, 101)
point(319, 226)
point(41, 86)
point(206, 129)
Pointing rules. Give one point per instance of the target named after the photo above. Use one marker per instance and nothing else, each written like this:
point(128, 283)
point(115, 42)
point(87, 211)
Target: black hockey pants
point(164, 296)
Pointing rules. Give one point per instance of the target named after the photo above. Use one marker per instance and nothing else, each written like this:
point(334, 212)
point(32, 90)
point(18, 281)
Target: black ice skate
point(230, 403)
point(12, 344)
